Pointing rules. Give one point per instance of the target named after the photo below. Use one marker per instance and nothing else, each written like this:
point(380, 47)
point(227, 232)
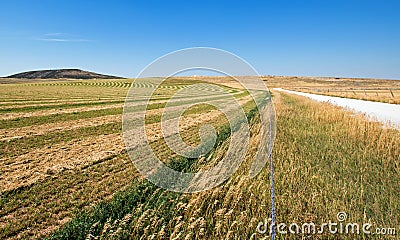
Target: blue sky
point(309, 38)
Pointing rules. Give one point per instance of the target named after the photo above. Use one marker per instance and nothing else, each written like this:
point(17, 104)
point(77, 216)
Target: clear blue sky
point(310, 38)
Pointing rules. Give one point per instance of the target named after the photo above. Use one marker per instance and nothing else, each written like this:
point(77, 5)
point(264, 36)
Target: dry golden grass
point(378, 95)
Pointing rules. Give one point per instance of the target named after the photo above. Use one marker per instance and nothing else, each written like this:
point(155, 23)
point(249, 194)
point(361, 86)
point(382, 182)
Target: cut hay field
point(65, 172)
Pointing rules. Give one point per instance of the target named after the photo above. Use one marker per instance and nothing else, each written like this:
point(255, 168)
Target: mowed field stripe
point(64, 105)
point(13, 148)
point(57, 118)
point(35, 130)
point(17, 115)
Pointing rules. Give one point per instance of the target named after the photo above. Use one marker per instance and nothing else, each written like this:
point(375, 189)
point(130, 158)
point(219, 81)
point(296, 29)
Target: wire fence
point(389, 95)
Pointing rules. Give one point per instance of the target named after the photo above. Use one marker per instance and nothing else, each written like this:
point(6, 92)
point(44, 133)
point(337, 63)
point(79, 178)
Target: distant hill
point(61, 74)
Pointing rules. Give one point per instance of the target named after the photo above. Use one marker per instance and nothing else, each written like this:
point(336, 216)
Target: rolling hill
point(61, 74)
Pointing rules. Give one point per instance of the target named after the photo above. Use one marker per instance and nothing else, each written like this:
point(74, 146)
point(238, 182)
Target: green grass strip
point(53, 118)
point(59, 106)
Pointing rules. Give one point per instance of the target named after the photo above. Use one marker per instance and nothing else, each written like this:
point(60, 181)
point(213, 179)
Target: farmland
point(387, 91)
point(65, 172)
